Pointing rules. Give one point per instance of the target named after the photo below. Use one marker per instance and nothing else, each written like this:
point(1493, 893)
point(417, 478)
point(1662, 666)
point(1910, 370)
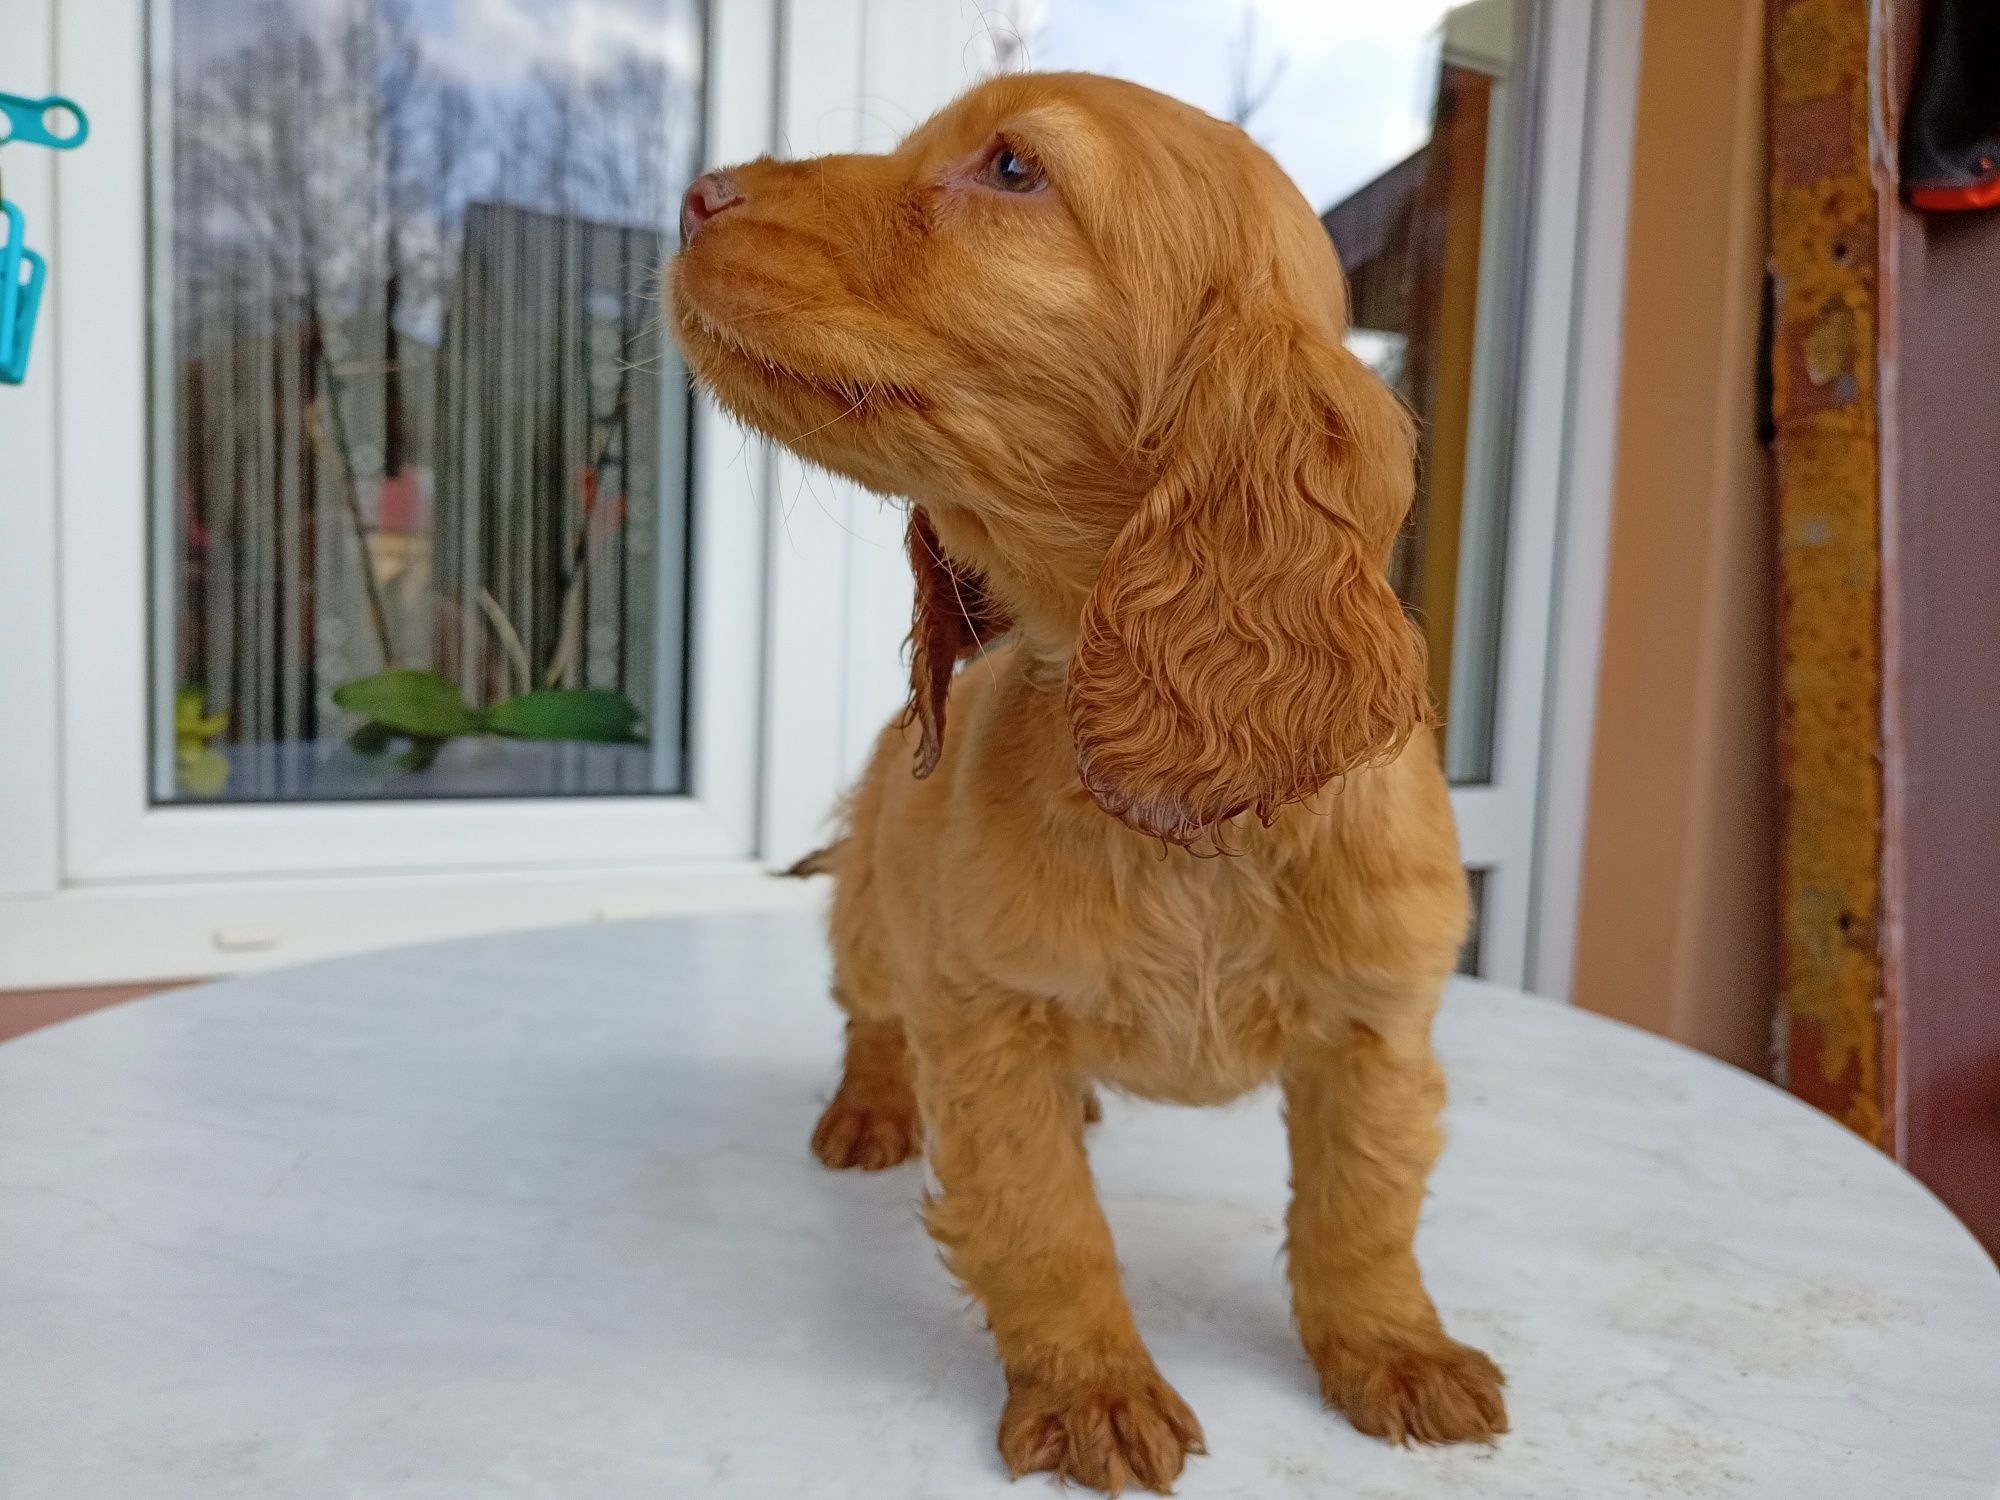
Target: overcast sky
point(1353, 96)
point(490, 44)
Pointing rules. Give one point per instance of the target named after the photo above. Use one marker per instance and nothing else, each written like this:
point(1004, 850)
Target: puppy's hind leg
point(872, 1121)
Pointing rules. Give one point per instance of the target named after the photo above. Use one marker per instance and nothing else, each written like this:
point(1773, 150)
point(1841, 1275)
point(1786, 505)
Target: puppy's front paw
point(870, 1134)
point(1423, 1389)
point(1110, 1432)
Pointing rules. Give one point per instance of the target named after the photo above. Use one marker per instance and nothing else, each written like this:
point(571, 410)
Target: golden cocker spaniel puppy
point(1187, 831)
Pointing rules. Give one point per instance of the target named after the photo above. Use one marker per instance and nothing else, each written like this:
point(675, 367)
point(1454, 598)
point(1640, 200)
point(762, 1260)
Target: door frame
point(1604, 47)
point(1522, 829)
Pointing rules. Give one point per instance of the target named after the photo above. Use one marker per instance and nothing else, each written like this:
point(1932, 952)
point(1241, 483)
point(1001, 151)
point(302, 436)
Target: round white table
point(534, 1216)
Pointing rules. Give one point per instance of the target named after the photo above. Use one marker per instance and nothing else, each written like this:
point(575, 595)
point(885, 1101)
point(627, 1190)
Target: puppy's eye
point(1011, 172)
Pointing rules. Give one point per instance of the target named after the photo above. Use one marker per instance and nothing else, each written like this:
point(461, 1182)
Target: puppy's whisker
point(819, 501)
point(830, 421)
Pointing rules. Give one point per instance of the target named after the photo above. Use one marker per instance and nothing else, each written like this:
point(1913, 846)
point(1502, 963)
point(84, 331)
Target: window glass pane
point(1402, 124)
point(1469, 955)
point(420, 443)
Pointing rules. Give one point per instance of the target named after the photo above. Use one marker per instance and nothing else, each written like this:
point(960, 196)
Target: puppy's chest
point(1165, 970)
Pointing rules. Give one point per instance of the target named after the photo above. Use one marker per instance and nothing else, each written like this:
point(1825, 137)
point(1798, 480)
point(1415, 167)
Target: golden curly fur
point(1185, 833)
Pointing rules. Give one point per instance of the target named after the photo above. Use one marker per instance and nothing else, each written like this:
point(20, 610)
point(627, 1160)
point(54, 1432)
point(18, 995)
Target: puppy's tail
point(820, 862)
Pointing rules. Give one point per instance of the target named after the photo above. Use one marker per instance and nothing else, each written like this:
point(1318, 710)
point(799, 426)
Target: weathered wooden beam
point(1827, 293)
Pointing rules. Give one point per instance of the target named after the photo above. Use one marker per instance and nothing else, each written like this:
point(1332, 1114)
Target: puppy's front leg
point(1020, 1225)
point(1361, 1110)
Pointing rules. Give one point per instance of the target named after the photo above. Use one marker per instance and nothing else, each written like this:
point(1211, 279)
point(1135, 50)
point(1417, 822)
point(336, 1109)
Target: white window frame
point(113, 831)
point(858, 74)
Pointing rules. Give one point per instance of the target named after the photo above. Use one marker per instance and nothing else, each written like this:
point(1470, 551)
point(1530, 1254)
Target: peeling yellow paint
point(1831, 345)
point(1812, 45)
point(1823, 206)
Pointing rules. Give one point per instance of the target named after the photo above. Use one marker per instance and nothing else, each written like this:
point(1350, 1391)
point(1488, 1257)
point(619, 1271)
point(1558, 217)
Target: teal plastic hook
point(55, 122)
point(61, 125)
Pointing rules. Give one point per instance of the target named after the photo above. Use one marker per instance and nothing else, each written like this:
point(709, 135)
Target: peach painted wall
point(1677, 924)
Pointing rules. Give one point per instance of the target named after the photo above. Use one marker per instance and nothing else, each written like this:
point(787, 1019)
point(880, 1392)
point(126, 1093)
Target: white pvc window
point(359, 375)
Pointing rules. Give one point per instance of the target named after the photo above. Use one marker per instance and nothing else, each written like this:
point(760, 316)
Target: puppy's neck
point(1041, 575)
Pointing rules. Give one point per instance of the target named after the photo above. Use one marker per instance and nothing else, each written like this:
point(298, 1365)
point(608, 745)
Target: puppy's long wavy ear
point(1242, 646)
point(954, 617)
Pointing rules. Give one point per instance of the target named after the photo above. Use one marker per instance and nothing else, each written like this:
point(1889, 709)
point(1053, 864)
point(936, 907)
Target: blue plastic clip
point(60, 125)
point(54, 122)
point(22, 273)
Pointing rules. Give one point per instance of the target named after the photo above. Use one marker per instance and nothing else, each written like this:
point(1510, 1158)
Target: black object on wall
point(1951, 129)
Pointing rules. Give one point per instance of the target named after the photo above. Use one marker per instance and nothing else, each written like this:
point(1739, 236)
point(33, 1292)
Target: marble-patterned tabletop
point(534, 1216)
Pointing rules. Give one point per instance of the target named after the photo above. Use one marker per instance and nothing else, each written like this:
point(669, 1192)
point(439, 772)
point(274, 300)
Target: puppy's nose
point(707, 196)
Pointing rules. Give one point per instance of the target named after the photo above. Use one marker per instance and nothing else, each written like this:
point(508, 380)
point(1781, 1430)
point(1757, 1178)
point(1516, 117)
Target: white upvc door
point(1539, 420)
